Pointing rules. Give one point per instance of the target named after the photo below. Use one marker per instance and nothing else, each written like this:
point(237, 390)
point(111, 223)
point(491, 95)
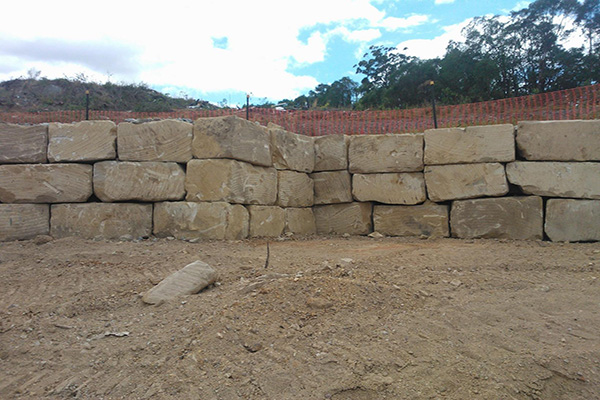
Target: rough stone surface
point(338, 219)
point(427, 219)
point(82, 141)
point(45, 183)
point(519, 218)
point(140, 181)
point(300, 221)
point(101, 220)
point(291, 151)
point(23, 144)
point(296, 189)
point(231, 181)
point(332, 187)
point(559, 140)
point(331, 153)
point(556, 179)
point(392, 188)
point(573, 220)
point(231, 137)
point(238, 222)
point(23, 221)
point(266, 221)
point(168, 140)
point(464, 181)
point(476, 144)
point(385, 153)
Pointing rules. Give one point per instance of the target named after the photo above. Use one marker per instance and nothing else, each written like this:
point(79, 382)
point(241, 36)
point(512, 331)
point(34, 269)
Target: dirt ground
point(328, 318)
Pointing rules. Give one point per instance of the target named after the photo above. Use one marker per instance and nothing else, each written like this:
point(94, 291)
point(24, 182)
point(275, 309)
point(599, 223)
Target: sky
point(221, 50)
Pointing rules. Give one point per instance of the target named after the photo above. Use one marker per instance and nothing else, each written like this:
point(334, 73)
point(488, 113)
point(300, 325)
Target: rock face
point(556, 179)
point(296, 189)
point(23, 144)
point(101, 220)
point(464, 181)
point(23, 221)
point(45, 183)
point(559, 140)
point(338, 219)
point(385, 153)
point(331, 153)
point(392, 188)
point(477, 144)
point(231, 181)
point(168, 140)
point(291, 151)
point(332, 187)
point(231, 137)
point(518, 218)
point(300, 221)
point(573, 220)
point(427, 219)
point(140, 181)
point(82, 141)
point(266, 221)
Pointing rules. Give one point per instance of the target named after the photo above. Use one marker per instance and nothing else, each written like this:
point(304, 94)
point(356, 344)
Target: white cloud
point(437, 2)
point(393, 23)
point(436, 47)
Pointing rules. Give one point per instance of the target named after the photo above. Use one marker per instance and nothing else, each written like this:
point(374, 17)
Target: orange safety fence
point(570, 104)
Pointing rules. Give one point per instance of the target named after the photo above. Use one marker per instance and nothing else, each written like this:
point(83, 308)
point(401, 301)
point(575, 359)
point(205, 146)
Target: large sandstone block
point(23, 221)
point(474, 144)
point(350, 218)
point(101, 220)
point(231, 137)
point(45, 183)
point(556, 179)
point(573, 220)
point(185, 220)
point(559, 140)
point(392, 188)
point(296, 189)
point(427, 219)
point(140, 181)
point(519, 218)
point(300, 221)
point(231, 181)
point(464, 181)
point(331, 153)
point(168, 140)
point(266, 221)
point(385, 153)
point(82, 141)
point(23, 144)
point(332, 187)
point(291, 151)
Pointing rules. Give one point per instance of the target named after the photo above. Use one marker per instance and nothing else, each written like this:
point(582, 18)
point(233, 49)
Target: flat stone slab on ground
point(168, 140)
point(23, 221)
point(392, 188)
point(23, 144)
point(573, 220)
point(82, 141)
point(291, 151)
point(338, 219)
point(331, 153)
point(427, 219)
point(385, 153)
point(464, 181)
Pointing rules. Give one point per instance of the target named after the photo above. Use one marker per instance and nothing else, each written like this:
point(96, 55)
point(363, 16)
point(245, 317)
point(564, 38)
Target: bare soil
point(328, 318)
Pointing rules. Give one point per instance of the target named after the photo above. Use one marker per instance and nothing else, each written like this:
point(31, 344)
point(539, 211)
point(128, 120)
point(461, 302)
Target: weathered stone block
point(101, 220)
point(427, 219)
point(331, 153)
point(291, 151)
point(140, 181)
point(23, 221)
point(332, 187)
point(464, 181)
point(231, 137)
point(238, 222)
point(556, 179)
point(392, 188)
point(573, 220)
point(559, 140)
point(82, 141)
point(23, 144)
point(350, 218)
point(266, 221)
point(385, 153)
point(296, 189)
point(231, 181)
point(168, 140)
point(474, 144)
point(519, 218)
point(45, 183)
point(300, 221)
